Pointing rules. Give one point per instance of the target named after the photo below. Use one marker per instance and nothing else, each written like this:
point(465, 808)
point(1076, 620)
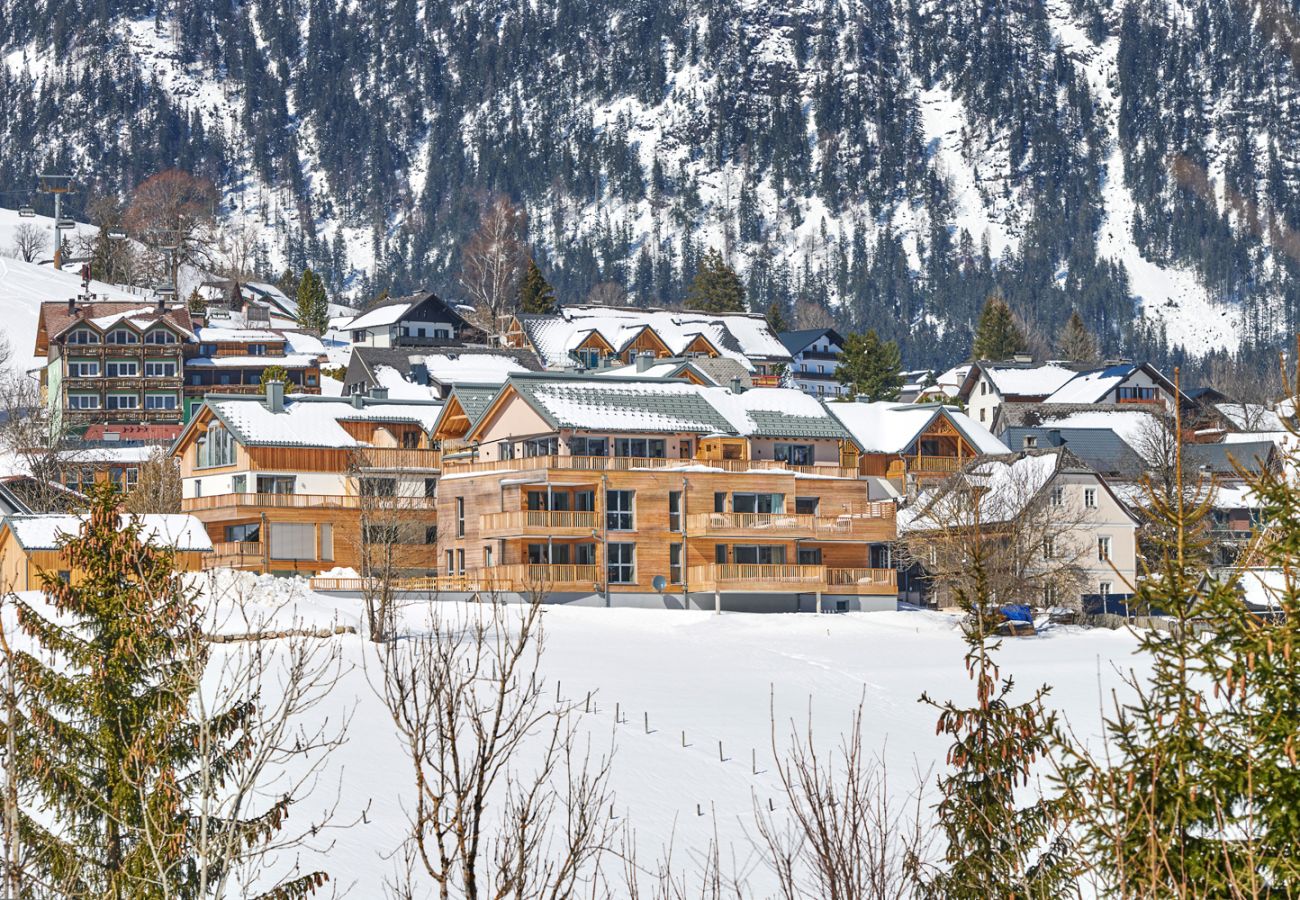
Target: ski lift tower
point(58, 185)
point(167, 291)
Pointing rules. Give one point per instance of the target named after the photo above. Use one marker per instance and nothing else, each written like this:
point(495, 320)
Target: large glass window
point(160, 368)
point(83, 336)
point(618, 510)
point(122, 336)
point(759, 554)
point(123, 401)
point(83, 401)
point(83, 368)
point(588, 446)
point(758, 503)
point(620, 563)
point(123, 368)
point(644, 448)
point(216, 448)
point(378, 487)
point(794, 454)
point(546, 446)
point(275, 484)
point(160, 336)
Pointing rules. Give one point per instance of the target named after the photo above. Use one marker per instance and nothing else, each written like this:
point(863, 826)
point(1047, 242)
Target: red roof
point(158, 433)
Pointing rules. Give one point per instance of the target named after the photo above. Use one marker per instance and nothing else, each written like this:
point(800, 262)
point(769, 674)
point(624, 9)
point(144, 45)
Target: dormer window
point(160, 336)
point(123, 336)
point(83, 336)
point(1030, 442)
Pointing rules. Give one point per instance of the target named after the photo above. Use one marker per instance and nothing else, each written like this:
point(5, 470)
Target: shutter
point(291, 541)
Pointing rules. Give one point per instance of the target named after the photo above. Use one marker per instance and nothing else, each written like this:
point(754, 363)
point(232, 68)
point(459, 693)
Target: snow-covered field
point(712, 677)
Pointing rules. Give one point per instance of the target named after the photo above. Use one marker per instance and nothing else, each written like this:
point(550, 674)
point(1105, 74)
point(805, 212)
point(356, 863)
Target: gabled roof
point(43, 532)
point(631, 405)
point(1223, 459)
point(1100, 448)
point(1092, 386)
point(775, 413)
point(395, 309)
point(56, 320)
point(892, 428)
point(798, 341)
point(307, 420)
point(1013, 380)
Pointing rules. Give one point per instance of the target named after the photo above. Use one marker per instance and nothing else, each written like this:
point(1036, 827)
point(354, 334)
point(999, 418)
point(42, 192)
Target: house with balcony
point(419, 320)
point(231, 360)
point(663, 493)
point(417, 374)
point(305, 483)
point(577, 338)
point(815, 355)
point(910, 444)
point(113, 362)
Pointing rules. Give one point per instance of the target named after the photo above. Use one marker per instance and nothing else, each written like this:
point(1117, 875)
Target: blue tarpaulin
point(1017, 613)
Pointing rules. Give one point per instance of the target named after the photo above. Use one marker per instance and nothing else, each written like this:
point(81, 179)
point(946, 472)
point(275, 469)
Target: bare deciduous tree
point(1042, 538)
point(810, 314)
point(493, 261)
point(468, 701)
point(174, 208)
point(29, 242)
point(607, 293)
point(158, 487)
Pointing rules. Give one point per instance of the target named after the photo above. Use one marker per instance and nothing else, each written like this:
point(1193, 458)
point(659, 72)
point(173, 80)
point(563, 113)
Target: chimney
point(379, 393)
point(644, 361)
point(1026, 358)
point(358, 400)
point(736, 386)
point(275, 396)
point(162, 303)
point(1054, 437)
point(72, 306)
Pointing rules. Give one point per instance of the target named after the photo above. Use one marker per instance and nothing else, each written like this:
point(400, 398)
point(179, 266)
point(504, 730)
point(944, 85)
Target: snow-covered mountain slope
point(856, 155)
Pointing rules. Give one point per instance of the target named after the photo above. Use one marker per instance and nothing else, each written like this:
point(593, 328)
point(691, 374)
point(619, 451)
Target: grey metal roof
point(797, 341)
point(653, 405)
point(720, 370)
point(1099, 448)
point(1219, 457)
point(475, 399)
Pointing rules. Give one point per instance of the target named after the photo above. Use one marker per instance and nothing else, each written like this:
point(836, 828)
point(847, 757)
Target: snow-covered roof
point(1006, 486)
point(233, 335)
point(469, 368)
point(623, 405)
point(739, 336)
point(308, 422)
point(380, 316)
point(1012, 380)
point(774, 413)
point(657, 370)
point(291, 361)
point(887, 427)
point(135, 454)
point(142, 318)
point(1091, 387)
point(43, 532)
point(1134, 427)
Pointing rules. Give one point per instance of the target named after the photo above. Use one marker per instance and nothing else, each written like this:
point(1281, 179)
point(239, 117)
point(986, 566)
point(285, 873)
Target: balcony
point(254, 503)
point(399, 458)
point(539, 522)
point(926, 466)
point(736, 524)
point(236, 555)
point(466, 466)
point(765, 381)
point(792, 578)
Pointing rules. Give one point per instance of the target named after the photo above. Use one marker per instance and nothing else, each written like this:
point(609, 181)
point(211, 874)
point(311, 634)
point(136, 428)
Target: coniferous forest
point(894, 161)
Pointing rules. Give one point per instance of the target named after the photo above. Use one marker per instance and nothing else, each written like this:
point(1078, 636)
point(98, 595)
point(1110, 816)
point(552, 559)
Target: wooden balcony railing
point(523, 578)
point(300, 501)
point(235, 555)
point(862, 577)
point(389, 458)
point(800, 579)
point(767, 523)
point(528, 521)
point(927, 466)
point(627, 463)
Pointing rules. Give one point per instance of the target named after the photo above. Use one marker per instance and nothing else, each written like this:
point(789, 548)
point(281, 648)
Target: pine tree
point(105, 732)
point(274, 373)
point(994, 847)
point(287, 283)
point(535, 293)
point(1076, 342)
point(716, 287)
point(776, 318)
point(870, 366)
point(313, 305)
point(997, 336)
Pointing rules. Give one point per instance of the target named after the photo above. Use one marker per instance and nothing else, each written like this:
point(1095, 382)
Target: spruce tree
point(997, 336)
point(776, 318)
point(535, 293)
point(716, 287)
point(995, 847)
point(1076, 342)
point(870, 367)
point(274, 373)
point(104, 730)
point(313, 305)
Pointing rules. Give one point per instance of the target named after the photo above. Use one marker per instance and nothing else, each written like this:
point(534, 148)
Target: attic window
point(123, 336)
point(83, 336)
point(160, 336)
point(1031, 441)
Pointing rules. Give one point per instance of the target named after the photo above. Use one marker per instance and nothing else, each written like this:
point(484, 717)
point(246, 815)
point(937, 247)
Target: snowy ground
point(712, 677)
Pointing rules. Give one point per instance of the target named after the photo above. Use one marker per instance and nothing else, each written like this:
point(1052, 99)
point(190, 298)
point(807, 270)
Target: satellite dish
point(659, 583)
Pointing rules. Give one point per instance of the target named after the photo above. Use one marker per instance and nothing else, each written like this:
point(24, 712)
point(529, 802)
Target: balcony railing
point(522, 578)
point(716, 523)
point(528, 521)
point(927, 466)
point(235, 555)
point(800, 579)
point(301, 501)
point(628, 463)
point(389, 458)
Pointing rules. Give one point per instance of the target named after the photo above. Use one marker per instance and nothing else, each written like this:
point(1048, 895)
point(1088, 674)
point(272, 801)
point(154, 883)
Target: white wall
point(1108, 519)
point(984, 401)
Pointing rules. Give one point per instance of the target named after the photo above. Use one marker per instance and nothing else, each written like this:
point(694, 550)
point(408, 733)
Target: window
point(1103, 548)
point(984, 388)
point(216, 448)
point(1137, 393)
point(83, 336)
point(1031, 441)
point(123, 368)
point(487, 557)
point(160, 401)
point(810, 556)
point(758, 503)
point(451, 563)
point(83, 368)
point(460, 562)
point(1049, 548)
point(506, 450)
point(720, 554)
point(326, 541)
point(239, 484)
point(618, 510)
point(588, 446)
point(1090, 498)
point(720, 501)
point(584, 501)
point(684, 449)
point(759, 554)
point(643, 448)
point(275, 484)
point(430, 535)
point(674, 510)
point(207, 350)
point(460, 517)
point(160, 336)
point(1057, 496)
point(588, 359)
point(123, 401)
point(257, 349)
point(248, 533)
point(83, 401)
point(1049, 595)
point(122, 336)
point(982, 412)
point(291, 540)
point(806, 506)
point(794, 454)
point(410, 440)
point(620, 563)
point(584, 554)
point(160, 368)
point(675, 563)
point(378, 487)
point(1104, 589)
point(546, 446)
point(430, 487)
